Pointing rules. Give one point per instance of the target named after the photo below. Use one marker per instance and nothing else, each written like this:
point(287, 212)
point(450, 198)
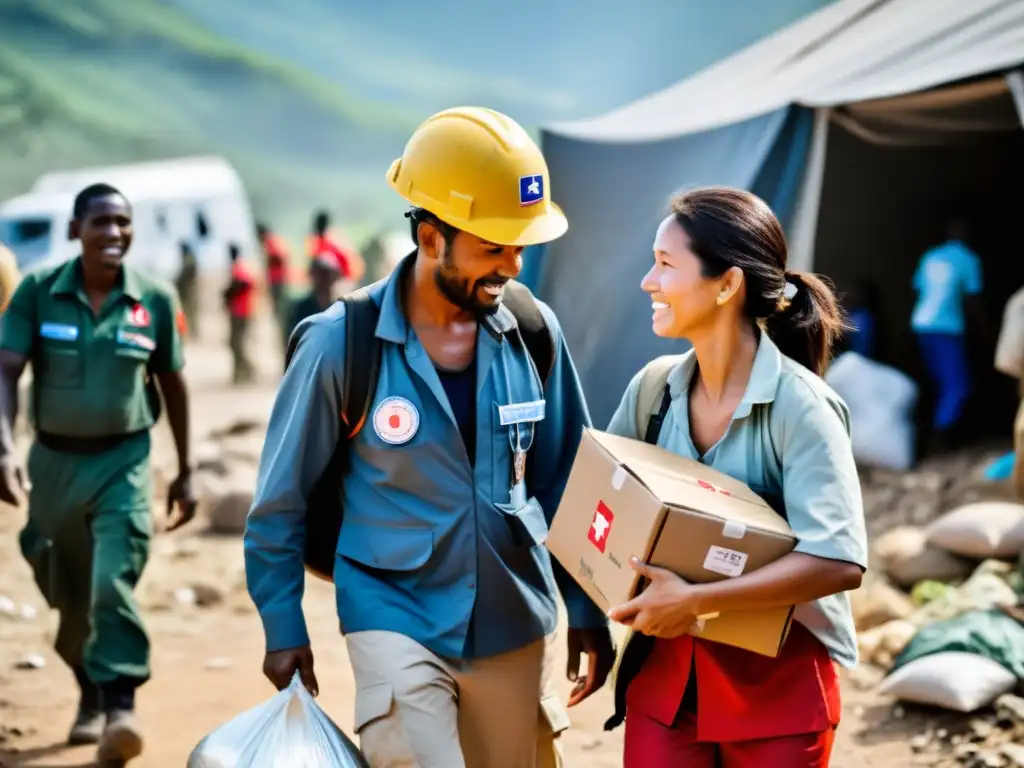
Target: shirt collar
point(392, 324)
point(69, 281)
point(69, 278)
point(761, 387)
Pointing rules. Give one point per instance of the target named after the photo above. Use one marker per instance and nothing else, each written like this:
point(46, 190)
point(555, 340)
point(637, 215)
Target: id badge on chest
point(520, 419)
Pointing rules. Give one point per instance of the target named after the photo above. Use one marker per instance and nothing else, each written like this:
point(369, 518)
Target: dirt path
point(206, 660)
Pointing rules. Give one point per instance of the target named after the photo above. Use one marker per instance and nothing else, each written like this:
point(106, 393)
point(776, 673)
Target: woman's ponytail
point(807, 322)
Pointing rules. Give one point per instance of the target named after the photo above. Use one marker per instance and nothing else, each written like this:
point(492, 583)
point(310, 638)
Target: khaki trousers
point(415, 709)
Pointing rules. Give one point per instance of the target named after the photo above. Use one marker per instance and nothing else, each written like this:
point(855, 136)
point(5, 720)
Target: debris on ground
point(944, 544)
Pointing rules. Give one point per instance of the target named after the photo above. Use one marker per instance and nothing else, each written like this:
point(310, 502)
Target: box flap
point(682, 482)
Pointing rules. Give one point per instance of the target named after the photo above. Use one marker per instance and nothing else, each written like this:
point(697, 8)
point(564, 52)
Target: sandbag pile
point(937, 627)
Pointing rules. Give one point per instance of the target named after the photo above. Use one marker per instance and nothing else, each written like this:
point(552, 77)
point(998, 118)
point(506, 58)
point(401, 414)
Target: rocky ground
point(207, 640)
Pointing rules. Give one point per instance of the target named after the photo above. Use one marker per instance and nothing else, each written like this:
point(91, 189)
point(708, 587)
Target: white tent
point(892, 73)
point(852, 50)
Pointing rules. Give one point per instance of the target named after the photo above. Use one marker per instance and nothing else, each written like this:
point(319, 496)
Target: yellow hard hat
point(479, 171)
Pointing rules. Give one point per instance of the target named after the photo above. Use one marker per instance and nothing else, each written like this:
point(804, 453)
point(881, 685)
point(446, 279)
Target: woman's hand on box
point(666, 608)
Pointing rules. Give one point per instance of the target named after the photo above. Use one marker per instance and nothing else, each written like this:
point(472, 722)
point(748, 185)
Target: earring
point(722, 298)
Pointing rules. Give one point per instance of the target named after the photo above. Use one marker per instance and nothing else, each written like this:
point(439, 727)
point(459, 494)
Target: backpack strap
point(536, 334)
point(654, 398)
point(362, 358)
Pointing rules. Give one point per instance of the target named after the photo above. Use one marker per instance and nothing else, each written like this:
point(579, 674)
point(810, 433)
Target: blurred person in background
point(240, 299)
point(104, 342)
point(324, 239)
point(277, 259)
point(9, 276)
point(187, 284)
point(748, 400)
point(323, 278)
point(862, 314)
point(948, 283)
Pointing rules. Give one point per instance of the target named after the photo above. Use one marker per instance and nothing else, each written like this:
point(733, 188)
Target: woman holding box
point(747, 400)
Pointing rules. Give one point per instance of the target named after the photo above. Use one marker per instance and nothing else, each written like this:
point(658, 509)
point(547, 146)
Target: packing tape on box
point(619, 477)
point(734, 530)
point(705, 617)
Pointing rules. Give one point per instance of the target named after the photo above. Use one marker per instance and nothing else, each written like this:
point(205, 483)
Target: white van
point(199, 200)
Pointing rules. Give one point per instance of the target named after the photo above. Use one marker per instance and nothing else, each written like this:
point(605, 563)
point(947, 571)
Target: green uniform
point(90, 524)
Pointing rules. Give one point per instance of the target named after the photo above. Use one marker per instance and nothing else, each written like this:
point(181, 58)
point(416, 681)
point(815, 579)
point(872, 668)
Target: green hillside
point(105, 81)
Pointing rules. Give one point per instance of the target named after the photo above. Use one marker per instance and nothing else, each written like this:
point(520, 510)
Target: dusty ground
point(206, 660)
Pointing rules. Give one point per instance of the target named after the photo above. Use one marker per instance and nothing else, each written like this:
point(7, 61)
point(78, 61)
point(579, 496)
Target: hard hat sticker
point(531, 189)
point(396, 420)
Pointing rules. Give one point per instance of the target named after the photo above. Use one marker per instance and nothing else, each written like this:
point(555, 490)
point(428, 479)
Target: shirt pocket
point(503, 441)
point(63, 366)
point(387, 548)
point(129, 368)
point(527, 524)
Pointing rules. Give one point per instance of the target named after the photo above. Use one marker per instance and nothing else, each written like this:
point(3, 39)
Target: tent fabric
point(852, 50)
point(615, 196)
point(938, 117)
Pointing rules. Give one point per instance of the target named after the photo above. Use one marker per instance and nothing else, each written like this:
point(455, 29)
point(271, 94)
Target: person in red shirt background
point(277, 257)
point(323, 240)
point(239, 298)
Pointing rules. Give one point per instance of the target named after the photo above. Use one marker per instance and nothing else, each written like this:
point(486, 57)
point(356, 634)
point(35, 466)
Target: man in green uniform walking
point(99, 335)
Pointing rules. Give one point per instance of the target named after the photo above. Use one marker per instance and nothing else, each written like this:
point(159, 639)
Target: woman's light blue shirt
point(788, 439)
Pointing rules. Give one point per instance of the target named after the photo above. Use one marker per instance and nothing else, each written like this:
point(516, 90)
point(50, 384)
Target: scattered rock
point(238, 427)
point(980, 729)
point(245, 448)
point(219, 663)
point(906, 558)
point(185, 549)
point(1010, 709)
point(207, 458)
point(921, 742)
point(206, 595)
point(865, 677)
point(227, 502)
point(876, 603)
point(1014, 754)
point(185, 596)
point(30, 661)
point(7, 606)
point(967, 754)
point(880, 646)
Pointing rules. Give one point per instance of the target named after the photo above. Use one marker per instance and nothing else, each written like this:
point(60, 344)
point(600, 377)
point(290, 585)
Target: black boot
point(122, 737)
point(89, 721)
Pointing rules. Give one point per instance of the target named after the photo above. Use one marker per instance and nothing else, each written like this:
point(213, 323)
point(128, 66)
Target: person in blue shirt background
point(948, 283)
point(445, 590)
point(862, 316)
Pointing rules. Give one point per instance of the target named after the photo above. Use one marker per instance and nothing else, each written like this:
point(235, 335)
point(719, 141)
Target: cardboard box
point(625, 498)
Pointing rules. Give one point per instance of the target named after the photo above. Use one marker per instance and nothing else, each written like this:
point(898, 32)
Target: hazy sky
point(540, 60)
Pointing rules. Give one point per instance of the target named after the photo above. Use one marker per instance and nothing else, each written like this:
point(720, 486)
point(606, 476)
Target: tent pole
point(805, 218)
point(1015, 82)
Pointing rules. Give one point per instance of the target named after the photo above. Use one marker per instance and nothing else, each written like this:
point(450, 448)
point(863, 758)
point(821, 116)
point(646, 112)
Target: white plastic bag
point(288, 730)
point(962, 682)
point(881, 400)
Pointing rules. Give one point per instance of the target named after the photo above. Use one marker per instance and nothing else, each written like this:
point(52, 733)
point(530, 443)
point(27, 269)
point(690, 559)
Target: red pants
point(649, 744)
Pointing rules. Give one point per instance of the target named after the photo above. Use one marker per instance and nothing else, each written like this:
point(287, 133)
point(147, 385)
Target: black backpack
point(363, 351)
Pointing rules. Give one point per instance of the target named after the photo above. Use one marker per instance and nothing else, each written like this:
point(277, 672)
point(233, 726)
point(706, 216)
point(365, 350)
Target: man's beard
point(457, 290)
